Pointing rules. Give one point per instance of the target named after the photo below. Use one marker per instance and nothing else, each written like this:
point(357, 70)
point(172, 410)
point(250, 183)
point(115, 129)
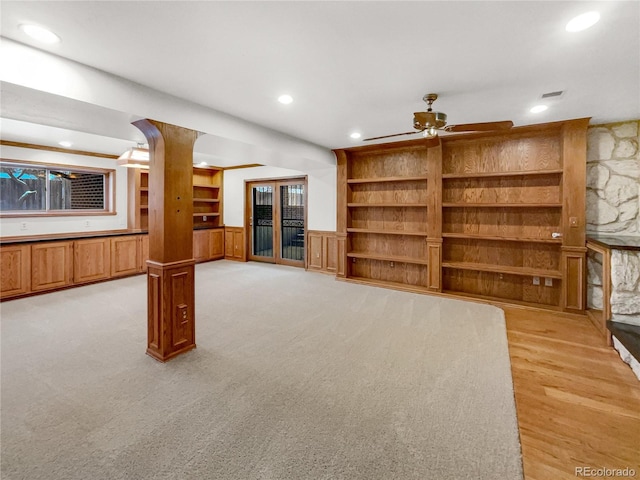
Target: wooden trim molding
point(245, 165)
point(34, 146)
point(599, 317)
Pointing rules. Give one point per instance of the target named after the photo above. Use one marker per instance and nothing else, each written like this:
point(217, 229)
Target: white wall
point(321, 194)
point(10, 226)
point(44, 72)
point(27, 69)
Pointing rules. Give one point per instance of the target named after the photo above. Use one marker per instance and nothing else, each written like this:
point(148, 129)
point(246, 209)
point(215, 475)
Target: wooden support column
point(170, 272)
point(574, 250)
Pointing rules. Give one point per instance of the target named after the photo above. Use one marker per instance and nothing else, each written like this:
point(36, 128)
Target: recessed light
point(65, 143)
point(203, 164)
point(582, 22)
point(355, 135)
point(285, 99)
point(39, 33)
point(538, 108)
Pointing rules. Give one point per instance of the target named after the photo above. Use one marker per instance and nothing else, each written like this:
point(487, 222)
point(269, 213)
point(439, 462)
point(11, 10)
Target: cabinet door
point(201, 245)
point(91, 260)
point(234, 243)
point(15, 270)
point(216, 243)
point(125, 253)
point(51, 265)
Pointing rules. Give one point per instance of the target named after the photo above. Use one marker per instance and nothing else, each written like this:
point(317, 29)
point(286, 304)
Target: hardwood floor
point(578, 404)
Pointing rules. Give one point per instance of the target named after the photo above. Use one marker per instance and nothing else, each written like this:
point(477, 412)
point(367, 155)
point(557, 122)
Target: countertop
point(615, 242)
point(54, 237)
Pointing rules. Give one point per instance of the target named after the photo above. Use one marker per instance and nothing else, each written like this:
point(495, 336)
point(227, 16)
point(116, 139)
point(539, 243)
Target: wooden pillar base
point(171, 309)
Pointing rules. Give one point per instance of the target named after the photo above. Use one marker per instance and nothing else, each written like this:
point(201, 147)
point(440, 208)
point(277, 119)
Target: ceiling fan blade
point(479, 127)
point(388, 136)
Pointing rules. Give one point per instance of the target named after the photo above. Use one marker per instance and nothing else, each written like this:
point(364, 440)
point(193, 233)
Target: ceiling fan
point(430, 122)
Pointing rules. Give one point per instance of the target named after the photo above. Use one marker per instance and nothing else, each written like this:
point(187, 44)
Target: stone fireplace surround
point(615, 292)
point(613, 222)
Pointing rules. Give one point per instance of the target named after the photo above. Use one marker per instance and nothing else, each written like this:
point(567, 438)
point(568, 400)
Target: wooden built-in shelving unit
point(495, 216)
point(207, 198)
point(138, 199)
point(386, 215)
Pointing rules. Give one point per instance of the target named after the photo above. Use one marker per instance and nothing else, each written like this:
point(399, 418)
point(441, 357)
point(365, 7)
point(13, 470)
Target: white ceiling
point(357, 66)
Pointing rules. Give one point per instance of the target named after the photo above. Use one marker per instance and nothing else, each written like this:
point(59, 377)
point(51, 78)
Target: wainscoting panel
point(322, 251)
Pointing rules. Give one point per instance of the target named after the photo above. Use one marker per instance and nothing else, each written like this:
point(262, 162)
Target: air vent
point(553, 94)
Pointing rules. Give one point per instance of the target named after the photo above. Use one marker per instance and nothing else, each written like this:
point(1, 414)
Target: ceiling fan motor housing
point(424, 120)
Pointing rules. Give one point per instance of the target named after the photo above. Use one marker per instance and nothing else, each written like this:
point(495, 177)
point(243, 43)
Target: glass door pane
point(292, 222)
point(262, 214)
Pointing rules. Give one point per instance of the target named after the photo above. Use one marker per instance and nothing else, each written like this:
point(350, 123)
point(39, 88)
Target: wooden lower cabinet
point(51, 265)
point(37, 267)
point(208, 244)
point(91, 260)
point(125, 255)
point(234, 244)
point(15, 270)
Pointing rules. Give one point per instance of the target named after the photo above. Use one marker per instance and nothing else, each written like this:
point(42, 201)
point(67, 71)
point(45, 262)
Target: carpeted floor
point(296, 376)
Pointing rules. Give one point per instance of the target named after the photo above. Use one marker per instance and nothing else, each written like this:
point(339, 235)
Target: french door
point(277, 221)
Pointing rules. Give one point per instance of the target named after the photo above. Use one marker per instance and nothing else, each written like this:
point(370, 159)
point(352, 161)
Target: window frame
point(109, 190)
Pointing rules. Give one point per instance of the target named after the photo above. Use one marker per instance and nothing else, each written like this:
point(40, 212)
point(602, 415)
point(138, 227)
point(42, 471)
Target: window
point(27, 189)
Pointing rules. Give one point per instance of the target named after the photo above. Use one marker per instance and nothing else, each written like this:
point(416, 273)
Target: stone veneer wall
point(613, 208)
point(613, 179)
